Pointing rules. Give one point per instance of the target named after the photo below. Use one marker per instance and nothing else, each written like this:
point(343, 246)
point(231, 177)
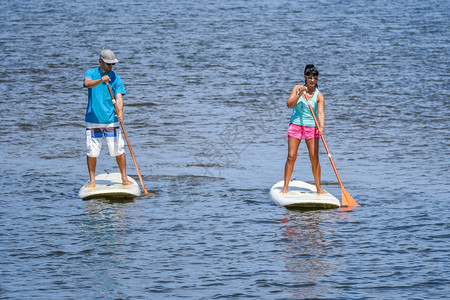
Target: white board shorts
point(94, 139)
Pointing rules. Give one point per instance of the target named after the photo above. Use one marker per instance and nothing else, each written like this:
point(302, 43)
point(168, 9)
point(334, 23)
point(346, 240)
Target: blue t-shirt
point(100, 108)
point(301, 114)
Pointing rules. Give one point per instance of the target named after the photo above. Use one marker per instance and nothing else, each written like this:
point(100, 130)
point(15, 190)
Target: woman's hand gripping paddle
point(128, 143)
point(347, 199)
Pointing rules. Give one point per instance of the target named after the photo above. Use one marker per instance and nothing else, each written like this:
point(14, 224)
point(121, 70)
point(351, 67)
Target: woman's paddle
point(347, 199)
point(128, 142)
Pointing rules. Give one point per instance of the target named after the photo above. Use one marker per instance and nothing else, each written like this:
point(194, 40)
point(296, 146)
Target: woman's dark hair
point(311, 70)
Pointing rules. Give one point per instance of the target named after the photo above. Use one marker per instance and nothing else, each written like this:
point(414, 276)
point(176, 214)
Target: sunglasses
point(107, 63)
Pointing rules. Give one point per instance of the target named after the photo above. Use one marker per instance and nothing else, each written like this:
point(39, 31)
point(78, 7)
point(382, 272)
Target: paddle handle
point(347, 199)
point(325, 144)
point(126, 138)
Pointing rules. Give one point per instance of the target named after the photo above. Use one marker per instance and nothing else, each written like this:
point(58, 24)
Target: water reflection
point(105, 228)
point(306, 252)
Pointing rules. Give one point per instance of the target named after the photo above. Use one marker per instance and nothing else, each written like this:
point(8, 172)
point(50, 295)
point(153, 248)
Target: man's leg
point(121, 162)
point(91, 163)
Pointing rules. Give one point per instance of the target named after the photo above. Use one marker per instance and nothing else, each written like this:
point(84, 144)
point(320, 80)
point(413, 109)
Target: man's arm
point(89, 83)
point(119, 102)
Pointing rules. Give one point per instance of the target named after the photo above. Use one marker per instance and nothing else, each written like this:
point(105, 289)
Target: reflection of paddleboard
point(110, 186)
point(302, 195)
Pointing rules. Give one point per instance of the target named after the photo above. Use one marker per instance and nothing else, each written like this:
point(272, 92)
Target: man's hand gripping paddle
point(128, 143)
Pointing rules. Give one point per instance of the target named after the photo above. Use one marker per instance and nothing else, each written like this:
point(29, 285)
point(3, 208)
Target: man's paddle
point(347, 199)
point(128, 142)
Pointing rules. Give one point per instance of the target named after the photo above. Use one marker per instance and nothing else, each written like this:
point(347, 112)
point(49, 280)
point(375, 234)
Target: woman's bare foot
point(284, 190)
point(321, 191)
point(126, 182)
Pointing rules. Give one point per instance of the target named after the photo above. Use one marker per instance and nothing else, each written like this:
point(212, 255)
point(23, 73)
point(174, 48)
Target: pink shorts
point(298, 132)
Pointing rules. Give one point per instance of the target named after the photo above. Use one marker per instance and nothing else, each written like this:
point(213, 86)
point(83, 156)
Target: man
point(101, 118)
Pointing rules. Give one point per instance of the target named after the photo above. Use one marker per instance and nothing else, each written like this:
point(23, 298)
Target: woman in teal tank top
point(302, 125)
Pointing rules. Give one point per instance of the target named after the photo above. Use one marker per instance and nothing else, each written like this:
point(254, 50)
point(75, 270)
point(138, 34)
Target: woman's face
point(311, 80)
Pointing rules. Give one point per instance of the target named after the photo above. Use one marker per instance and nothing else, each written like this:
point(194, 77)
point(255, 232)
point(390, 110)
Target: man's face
point(105, 67)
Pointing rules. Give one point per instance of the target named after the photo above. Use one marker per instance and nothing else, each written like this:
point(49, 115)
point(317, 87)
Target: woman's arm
point(295, 95)
point(321, 112)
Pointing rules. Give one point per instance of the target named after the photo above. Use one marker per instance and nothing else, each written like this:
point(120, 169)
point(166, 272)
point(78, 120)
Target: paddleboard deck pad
point(110, 186)
point(302, 195)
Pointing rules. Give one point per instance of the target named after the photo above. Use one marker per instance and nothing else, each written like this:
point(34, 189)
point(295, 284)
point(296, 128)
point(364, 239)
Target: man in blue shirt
point(102, 121)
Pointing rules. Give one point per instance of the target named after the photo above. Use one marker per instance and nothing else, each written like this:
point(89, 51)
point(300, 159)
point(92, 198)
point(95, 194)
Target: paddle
point(128, 142)
point(347, 199)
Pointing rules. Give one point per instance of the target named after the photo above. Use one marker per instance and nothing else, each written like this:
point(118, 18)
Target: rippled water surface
point(207, 84)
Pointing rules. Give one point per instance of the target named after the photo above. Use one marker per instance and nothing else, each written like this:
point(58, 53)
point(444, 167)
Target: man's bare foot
point(90, 185)
point(284, 190)
point(126, 182)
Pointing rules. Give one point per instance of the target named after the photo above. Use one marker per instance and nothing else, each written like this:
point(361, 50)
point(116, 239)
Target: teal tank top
point(301, 115)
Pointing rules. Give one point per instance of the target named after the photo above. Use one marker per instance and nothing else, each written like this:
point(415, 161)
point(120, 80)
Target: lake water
point(205, 112)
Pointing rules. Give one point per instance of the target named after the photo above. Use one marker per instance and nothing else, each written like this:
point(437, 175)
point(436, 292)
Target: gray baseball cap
point(108, 56)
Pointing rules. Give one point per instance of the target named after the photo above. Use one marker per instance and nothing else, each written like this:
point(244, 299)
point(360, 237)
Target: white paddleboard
point(302, 195)
point(110, 186)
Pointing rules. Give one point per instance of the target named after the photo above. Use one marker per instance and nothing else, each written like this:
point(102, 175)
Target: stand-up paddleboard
point(302, 195)
point(110, 186)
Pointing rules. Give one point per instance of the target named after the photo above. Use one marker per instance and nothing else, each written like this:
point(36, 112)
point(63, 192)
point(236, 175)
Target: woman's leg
point(290, 161)
point(313, 149)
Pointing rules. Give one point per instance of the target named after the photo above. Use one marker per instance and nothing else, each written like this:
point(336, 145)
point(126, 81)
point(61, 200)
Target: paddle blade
point(347, 199)
point(149, 194)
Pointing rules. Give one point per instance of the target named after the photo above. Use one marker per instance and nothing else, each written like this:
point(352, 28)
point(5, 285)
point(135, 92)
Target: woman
point(302, 125)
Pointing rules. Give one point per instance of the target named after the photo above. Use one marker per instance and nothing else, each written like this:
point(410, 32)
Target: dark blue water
point(205, 112)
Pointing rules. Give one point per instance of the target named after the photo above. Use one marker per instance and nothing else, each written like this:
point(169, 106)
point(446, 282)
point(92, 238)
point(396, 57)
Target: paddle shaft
point(347, 200)
point(126, 138)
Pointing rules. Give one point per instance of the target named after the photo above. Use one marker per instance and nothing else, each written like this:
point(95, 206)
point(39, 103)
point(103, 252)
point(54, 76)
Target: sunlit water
point(205, 112)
